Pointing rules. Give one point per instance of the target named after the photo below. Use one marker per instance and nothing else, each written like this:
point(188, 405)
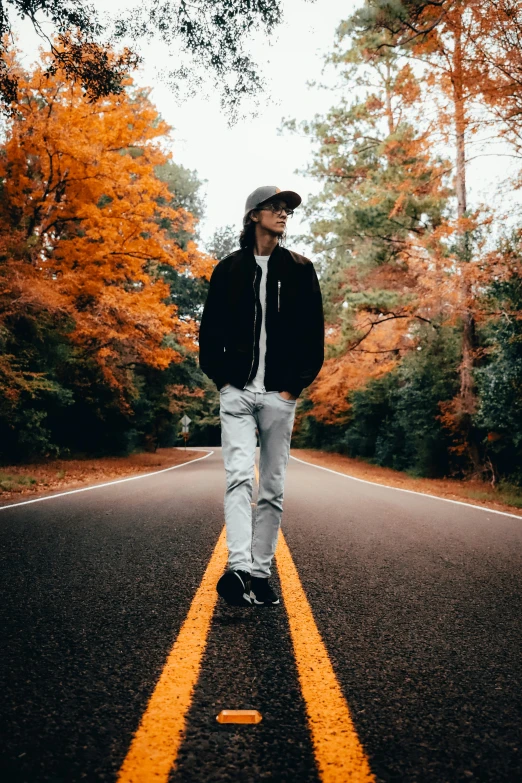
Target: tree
point(499, 52)
point(465, 65)
point(187, 291)
point(451, 39)
point(499, 375)
point(210, 36)
point(395, 420)
point(384, 192)
point(223, 242)
point(77, 50)
point(185, 192)
point(83, 236)
point(492, 34)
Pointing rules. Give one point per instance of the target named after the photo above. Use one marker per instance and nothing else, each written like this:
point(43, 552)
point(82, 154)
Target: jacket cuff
point(294, 388)
point(220, 380)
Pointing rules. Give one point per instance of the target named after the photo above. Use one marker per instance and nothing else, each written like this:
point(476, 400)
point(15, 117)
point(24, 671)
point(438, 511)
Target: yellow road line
point(338, 752)
point(155, 746)
point(339, 755)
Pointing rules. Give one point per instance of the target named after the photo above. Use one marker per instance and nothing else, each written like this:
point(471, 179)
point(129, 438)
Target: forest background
point(103, 273)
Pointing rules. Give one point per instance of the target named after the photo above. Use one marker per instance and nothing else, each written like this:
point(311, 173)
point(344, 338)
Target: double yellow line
point(338, 752)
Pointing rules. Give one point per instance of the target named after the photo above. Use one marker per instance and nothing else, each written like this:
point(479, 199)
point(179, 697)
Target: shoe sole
point(231, 588)
point(262, 603)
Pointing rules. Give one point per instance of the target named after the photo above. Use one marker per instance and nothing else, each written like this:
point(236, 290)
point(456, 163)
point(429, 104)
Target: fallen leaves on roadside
point(453, 489)
point(60, 474)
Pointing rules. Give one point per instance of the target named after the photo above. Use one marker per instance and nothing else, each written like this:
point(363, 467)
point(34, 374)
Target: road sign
point(185, 420)
point(184, 429)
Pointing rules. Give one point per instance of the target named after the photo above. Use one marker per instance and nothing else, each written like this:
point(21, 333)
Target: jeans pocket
point(290, 402)
point(225, 387)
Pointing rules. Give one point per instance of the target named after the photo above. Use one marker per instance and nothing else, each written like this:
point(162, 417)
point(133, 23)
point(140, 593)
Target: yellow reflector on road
point(239, 716)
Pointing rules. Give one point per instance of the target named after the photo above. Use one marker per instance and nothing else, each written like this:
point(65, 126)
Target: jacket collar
point(275, 256)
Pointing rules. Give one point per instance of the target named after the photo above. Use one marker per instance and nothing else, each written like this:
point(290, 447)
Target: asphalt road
point(417, 601)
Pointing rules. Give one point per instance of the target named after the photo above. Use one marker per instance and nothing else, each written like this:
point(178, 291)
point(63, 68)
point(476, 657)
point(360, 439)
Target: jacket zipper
point(278, 293)
point(255, 313)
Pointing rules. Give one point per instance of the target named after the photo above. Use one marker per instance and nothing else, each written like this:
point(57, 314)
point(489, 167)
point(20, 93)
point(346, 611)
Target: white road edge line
point(107, 484)
point(411, 491)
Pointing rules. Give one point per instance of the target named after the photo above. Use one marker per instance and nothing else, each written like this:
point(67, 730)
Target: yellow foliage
point(377, 354)
point(82, 221)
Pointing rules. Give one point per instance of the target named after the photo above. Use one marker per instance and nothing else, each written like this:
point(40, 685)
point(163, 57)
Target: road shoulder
point(22, 482)
point(470, 492)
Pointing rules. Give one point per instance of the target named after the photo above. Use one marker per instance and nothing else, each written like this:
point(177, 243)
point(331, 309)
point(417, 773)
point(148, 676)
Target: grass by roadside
point(474, 492)
point(20, 481)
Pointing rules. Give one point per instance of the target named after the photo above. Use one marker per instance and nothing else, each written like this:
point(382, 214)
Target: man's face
point(272, 217)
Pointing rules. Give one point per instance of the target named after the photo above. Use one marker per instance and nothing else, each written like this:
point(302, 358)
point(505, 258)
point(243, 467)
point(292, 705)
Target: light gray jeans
point(252, 542)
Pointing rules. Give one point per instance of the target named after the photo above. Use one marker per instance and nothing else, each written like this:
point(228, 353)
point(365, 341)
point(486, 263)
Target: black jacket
point(231, 322)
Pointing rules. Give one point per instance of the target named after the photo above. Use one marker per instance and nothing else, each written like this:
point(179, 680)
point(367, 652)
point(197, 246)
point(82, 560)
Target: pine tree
point(450, 39)
point(383, 191)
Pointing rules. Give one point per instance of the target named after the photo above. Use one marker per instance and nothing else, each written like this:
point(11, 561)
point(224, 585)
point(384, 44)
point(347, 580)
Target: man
point(261, 341)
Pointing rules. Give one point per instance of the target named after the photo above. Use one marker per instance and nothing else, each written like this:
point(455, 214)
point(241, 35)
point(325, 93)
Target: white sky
point(235, 160)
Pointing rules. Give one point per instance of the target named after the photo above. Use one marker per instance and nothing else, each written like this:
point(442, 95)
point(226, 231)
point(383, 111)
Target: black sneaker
point(234, 587)
point(261, 592)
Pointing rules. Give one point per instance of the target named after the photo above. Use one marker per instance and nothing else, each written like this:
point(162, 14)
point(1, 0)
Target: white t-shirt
point(257, 383)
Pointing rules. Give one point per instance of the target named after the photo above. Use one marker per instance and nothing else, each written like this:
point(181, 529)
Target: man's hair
point(247, 237)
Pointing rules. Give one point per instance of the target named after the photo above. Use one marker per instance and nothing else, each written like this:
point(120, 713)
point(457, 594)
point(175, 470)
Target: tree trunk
point(388, 93)
point(467, 395)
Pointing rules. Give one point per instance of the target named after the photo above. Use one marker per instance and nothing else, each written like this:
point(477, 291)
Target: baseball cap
point(267, 192)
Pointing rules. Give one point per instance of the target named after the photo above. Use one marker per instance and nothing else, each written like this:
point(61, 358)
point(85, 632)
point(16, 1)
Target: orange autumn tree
point(382, 189)
point(86, 226)
point(468, 51)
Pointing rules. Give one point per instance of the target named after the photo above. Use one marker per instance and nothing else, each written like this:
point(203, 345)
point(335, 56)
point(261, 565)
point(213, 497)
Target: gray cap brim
point(292, 198)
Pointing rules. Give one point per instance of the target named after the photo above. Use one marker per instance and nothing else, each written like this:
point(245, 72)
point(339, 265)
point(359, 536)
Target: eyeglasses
point(278, 208)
